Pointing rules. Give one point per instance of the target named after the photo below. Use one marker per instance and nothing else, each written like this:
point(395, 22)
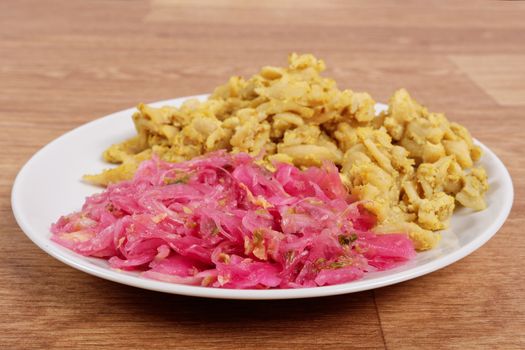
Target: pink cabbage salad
point(224, 221)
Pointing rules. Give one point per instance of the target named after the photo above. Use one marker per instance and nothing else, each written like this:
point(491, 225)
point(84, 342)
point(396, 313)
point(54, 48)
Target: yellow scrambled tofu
point(409, 166)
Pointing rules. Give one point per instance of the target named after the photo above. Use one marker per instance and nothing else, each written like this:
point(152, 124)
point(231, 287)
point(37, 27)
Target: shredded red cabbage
point(224, 221)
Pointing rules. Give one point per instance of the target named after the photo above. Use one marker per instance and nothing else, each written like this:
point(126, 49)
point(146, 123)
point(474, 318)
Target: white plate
point(49, 186)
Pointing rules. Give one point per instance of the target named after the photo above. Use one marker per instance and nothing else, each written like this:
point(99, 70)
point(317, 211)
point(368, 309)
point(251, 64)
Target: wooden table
point(63, 63)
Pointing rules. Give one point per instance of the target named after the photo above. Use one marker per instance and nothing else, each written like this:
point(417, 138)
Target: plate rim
point(247, 294)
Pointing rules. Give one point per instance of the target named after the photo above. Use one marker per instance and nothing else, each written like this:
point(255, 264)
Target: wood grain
point(501, 76)
point(63, 63)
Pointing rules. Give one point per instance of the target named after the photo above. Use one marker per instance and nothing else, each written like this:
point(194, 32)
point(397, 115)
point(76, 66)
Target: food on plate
point(412, 169)
point(408, 165)
point(225, 221)
point(280, 113)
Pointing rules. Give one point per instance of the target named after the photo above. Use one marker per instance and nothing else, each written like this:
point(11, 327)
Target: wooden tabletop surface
point(64, 63)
